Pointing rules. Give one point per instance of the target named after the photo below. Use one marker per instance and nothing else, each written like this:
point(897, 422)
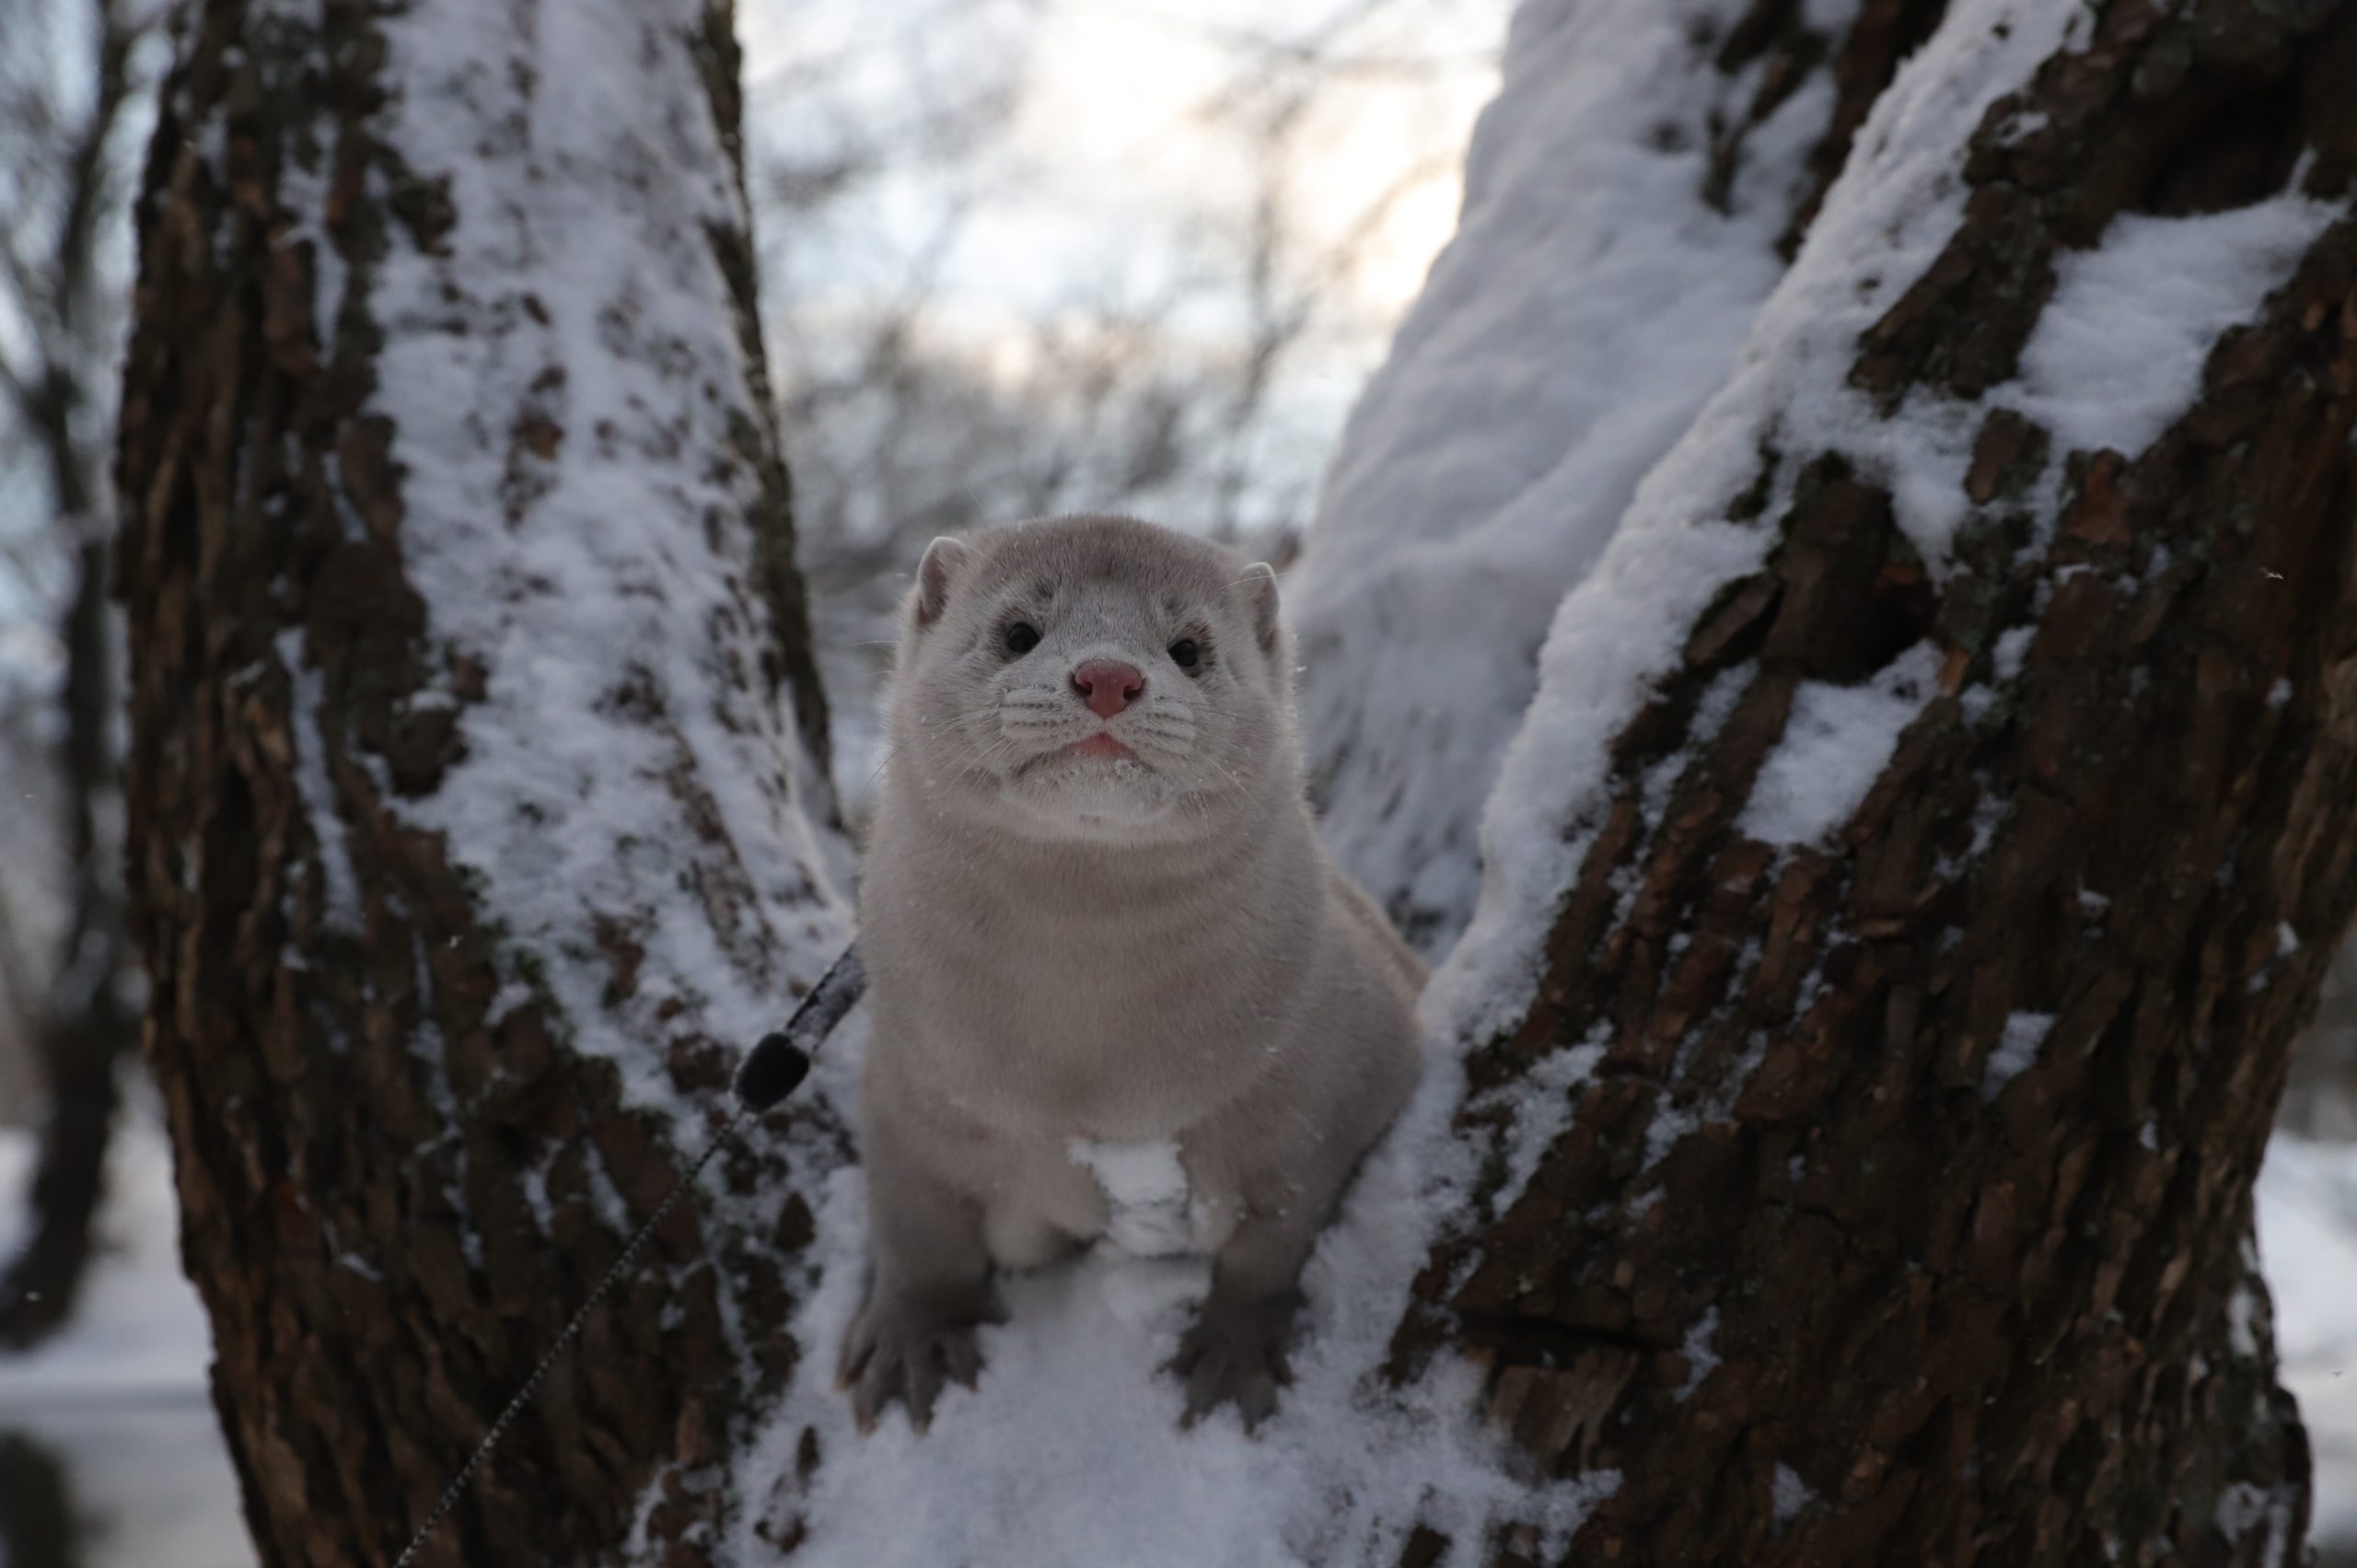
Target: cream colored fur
point(1067, 948)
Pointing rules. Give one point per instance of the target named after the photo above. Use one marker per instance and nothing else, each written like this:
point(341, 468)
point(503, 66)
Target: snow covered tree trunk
point(477, 792)
point(1631, 198)
point(1936, 812)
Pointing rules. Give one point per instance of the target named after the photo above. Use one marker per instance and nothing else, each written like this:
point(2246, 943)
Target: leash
point(774, 1069)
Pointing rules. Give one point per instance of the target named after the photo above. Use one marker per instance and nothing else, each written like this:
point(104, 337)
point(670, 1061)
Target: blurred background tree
point(73, 80)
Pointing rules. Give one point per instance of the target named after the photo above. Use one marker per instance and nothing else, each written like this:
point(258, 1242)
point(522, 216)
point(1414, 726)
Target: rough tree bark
point(1821, 1281)
point(477, 796)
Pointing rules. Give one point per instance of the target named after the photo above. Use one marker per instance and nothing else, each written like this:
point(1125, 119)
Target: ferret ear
point(1259, 586)
point(944, 558)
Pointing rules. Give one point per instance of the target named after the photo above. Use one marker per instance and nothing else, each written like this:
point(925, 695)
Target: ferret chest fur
point(1092, 991)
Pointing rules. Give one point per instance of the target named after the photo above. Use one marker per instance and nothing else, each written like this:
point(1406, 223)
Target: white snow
point(341, 908)
point(1835, 745)
point(1591, 300)
point(1145, 1195)
point(2016, 1051)
point(1541, 1103)
point(1700, 1351)
point(1790, 1494)
point(2118, 351)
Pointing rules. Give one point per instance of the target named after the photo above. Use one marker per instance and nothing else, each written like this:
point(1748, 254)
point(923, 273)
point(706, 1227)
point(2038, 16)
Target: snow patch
point(1542, 1101)
point(1837, 741)
point(1700, 1352)
point(1069, 1453)
point(1145, 1195)
point(1790, 1494)
point(2118, 351)
point(2016, 1050)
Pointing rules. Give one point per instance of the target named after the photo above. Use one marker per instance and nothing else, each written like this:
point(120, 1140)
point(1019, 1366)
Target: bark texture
point(418, 1101)
point(1823, 1282)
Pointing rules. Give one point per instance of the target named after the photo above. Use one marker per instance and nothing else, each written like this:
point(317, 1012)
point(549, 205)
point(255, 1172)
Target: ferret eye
point(1184, 654)
point(1020, 637)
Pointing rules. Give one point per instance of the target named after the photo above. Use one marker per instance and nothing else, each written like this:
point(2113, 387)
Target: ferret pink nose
point(1107, 684)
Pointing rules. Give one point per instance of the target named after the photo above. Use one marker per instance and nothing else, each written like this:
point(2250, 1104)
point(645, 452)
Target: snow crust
point(1591, 300)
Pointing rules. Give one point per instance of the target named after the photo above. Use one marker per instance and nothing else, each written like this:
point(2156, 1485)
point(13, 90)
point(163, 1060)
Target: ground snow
point(2307, 1245)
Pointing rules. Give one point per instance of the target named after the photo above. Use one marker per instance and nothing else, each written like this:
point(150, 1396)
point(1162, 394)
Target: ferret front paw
point(897, 1352)
point(1234, 1353)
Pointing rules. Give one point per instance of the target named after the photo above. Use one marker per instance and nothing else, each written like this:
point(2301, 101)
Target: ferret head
point(1094, 678)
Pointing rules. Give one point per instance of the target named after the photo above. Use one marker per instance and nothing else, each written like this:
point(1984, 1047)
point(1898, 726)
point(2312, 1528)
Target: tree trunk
point(85, 1026)
point(38, 1525)
point(1898, 1209)
point(477, 795)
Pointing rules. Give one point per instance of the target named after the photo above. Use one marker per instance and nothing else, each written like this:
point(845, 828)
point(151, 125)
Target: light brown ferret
point(1100, 932)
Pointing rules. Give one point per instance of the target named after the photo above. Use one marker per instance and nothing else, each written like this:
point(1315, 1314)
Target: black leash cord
point(771, 1070)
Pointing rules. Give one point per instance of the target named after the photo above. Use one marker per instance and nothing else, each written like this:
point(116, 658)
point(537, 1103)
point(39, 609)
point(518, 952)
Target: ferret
point(1102, 939)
